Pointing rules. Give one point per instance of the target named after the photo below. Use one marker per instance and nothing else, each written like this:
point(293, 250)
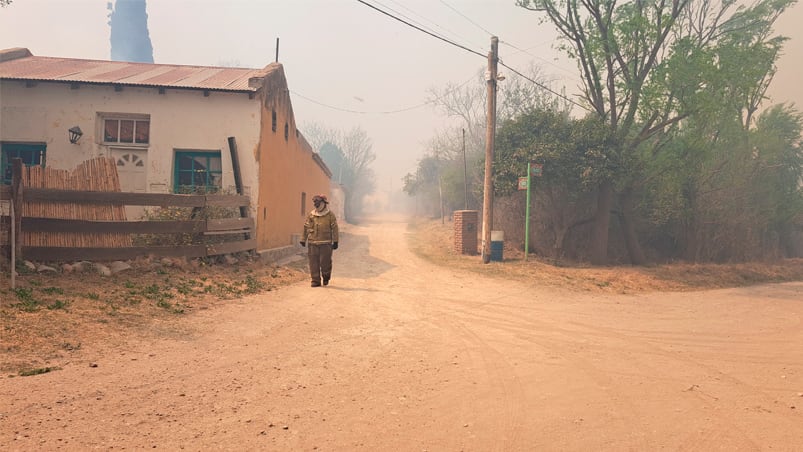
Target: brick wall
point(465, 231)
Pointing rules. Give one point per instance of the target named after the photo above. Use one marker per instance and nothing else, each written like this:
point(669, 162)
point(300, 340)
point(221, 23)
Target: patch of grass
point(53, 290)
point(132, 300)
point(37, 371)
point(226, 289)
point(70, 347)
point(23, 269)
point(156, 293)
point(58, 304)
point(175, 309)
point(27, 302)
point(183, 288)
point(92, 296)
point(253, 285)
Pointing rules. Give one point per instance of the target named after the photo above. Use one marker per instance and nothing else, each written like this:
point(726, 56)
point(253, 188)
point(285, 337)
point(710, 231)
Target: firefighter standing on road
point(320, 236)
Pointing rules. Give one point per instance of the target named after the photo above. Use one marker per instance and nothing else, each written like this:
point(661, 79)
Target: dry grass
point(434, 242)
point(48, 316)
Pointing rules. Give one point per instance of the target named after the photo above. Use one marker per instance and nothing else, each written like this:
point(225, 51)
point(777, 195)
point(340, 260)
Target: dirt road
point(399, 354)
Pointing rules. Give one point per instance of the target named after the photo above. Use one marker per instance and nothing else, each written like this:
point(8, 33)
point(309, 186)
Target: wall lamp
point(75, 134)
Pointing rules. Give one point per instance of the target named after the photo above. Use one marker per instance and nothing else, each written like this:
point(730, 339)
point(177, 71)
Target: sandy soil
point(401, 354)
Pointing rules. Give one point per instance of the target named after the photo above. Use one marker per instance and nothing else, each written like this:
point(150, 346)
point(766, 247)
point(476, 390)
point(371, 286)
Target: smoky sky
point(130, 40)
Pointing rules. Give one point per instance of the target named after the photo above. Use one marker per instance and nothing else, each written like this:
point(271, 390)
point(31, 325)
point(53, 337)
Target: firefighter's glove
point(334, 245)
point(303, 243)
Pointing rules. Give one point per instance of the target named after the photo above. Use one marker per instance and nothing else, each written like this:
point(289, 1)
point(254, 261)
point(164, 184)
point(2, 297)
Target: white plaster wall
point(179, 119)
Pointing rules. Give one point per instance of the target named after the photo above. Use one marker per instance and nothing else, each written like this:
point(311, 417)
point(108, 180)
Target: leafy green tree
point(425, 185)
point(780, 172)
point(647, 66)
point(569, 149)
point(738, 197)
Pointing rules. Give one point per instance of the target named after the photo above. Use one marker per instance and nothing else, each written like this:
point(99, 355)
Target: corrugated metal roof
point(21, 65)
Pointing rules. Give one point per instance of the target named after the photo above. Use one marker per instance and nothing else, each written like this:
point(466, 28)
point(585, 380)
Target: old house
point(168, 129)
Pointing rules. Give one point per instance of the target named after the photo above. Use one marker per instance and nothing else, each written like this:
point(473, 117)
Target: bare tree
point(351, 154)
point(317, 135)
point(358, 153)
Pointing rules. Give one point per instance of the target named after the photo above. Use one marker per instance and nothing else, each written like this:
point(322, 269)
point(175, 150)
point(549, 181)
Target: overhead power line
point(467, 18)
point(444, 31)
point(384, 112)
point(526, 51)
point(421, 29)
point(346, 110)
point(542, 86)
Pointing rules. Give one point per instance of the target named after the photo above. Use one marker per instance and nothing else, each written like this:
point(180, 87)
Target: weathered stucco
point(179, 119)
point(275, 170)
point(288, 168)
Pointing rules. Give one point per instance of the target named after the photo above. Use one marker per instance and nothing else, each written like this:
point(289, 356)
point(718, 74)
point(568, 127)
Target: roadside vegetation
point(433, 240)
point(671, 152)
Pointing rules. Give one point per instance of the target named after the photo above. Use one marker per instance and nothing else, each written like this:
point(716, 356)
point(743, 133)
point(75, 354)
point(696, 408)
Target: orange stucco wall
point(287, 169)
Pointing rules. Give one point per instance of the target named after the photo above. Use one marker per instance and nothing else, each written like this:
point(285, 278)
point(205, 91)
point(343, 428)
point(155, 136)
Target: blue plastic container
point(497, 245)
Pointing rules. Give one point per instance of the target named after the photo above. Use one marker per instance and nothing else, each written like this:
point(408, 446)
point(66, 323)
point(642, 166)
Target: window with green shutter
point(31, 155)
point(197, 172)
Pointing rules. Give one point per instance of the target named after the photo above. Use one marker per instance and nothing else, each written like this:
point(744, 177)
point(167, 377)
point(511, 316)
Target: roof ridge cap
point(14, 53)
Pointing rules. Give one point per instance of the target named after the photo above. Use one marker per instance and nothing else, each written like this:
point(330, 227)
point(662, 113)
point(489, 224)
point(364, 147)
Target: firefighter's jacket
point(320, 228)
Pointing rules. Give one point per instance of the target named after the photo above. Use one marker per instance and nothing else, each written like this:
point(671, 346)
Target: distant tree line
point(349, 156)
point(677, 156)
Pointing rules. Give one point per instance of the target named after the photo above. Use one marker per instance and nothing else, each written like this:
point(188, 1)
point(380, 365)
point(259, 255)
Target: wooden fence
point(41, 233)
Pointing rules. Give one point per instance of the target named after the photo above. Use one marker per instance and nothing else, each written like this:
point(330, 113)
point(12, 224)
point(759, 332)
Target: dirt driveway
point(398, 354)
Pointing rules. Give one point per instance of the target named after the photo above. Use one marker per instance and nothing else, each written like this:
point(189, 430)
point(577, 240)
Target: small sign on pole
point(536, 169)
point(523, 183)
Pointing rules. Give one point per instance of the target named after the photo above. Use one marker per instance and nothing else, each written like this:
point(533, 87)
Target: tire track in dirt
point(497, 314)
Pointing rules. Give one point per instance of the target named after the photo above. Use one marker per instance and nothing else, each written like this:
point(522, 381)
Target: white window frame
point(103, 117)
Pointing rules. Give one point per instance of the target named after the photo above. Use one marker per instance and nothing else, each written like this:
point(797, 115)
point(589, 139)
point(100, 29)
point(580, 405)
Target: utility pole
point(488, 185)
point(465, 170)
point(277, 50)
point(440, 184)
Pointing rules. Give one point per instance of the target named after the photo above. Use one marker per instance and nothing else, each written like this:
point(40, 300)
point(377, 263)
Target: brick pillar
point(465, 231)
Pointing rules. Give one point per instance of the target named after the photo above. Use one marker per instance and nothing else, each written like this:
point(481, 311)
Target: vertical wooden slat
point(16, 198)
point(99, 174)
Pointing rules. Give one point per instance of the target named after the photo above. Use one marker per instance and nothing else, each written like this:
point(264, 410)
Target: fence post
point(16, 200)
point(238, 179)
point(12, 241)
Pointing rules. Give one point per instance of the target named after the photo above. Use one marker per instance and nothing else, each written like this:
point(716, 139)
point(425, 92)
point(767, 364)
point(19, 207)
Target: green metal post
point(527, 215)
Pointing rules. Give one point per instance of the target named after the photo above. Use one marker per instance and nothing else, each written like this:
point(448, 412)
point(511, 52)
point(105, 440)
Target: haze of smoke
point(130, 39)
